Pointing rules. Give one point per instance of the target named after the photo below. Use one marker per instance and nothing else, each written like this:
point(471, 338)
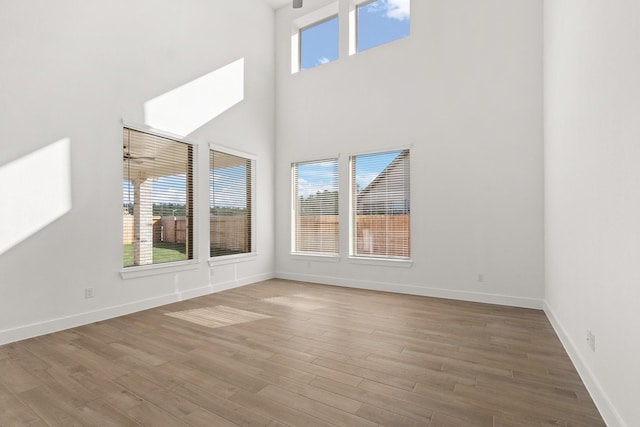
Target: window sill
point(232, 259)
point(315, 257)
point(154, 269)
point(382, 262)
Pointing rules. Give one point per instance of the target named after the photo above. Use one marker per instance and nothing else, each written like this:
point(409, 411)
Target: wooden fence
point(383, 235)
point(230, 234)
point(375, 234)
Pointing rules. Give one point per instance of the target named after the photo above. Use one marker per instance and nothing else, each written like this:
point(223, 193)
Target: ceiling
point(277, 4)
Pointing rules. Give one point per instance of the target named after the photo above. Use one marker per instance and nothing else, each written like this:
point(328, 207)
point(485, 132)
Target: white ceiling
point(277, 4)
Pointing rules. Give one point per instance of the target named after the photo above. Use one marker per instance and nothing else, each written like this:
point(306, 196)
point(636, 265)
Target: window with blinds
point(231, 184)
point(315, 207)
point(157, 199)
point(380, 215)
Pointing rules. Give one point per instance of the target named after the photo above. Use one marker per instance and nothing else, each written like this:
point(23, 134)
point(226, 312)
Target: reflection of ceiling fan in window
point(297, 4)
point(135, 159)
point(126, 155)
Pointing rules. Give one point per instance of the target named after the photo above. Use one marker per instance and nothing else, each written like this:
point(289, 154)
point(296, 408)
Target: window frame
point(306, 21)
point(252, 253)
point(134, 271)
point(294, 209)
point(354, 24)
point(313, 25)
point(372, 259)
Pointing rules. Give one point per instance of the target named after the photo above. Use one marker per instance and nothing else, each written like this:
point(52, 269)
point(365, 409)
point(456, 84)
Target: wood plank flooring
point(283, 353)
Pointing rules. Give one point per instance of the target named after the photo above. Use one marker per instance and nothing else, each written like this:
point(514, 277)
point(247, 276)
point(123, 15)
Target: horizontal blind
point(315, 205)
point(157, 199)
point(230, 203)
point(381, 205)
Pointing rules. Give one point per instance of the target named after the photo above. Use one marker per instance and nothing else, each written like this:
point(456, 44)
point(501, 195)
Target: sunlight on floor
point(218, 316)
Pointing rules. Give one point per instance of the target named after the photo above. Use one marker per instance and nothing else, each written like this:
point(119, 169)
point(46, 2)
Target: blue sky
point(369, 166)
point(229, 187)
point(317, 177)
point(379, 22)
point(320, 176)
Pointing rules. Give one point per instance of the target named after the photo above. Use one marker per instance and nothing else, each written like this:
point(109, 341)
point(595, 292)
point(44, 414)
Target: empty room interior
point(353, 212)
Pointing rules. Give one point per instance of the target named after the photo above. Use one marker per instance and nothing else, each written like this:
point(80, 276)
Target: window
point(319, 43)
point(314, 38)
point(157, 199)
point(381, 21)
point(380, 209)
point(315, 207)
point(231, 185)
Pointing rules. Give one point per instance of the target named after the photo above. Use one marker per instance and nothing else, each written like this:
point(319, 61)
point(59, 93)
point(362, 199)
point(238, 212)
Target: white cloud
point(393, 9)
point(307, 188)
point(398, 9)
point(323, 60)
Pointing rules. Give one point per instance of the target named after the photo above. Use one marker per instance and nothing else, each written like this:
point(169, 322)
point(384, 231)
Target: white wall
point(72, 70)
point(465, 89)
point(592, 152)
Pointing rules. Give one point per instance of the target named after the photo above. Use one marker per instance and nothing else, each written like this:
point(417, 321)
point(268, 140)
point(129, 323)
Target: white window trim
point(161, 133)
point(293, 190)
point(391, 262)
point(136, 271)
point(386, 262)
point(308, 20)
point(310, 256)
point(353, 24)
point(233, 259)
point(155, 269)
point(249, 256)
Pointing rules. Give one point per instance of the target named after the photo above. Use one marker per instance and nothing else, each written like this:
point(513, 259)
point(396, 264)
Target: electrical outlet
point(591, 340)
point(88, 293)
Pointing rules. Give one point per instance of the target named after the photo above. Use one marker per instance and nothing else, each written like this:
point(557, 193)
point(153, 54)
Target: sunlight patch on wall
point(186, 108)
point(35, 191)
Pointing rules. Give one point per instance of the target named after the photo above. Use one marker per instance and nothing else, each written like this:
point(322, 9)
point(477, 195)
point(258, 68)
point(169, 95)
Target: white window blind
point(157, 199)
point(231, 183)
point(315, 207)
point(380, 214)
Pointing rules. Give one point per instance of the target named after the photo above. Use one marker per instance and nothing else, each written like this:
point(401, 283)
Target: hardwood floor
point(282, 353)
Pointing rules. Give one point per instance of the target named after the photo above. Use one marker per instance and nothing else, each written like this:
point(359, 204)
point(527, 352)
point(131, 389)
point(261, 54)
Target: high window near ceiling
point(315, 207)
point(380, 205)
point(231, 203)
point(319, 43)
point(378, 22)
point(315, 38)
point(157, 199)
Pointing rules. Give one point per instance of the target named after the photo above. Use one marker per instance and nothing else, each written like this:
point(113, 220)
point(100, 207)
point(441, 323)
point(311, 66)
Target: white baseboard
point(608, 411)
point(236, 283)
point(62, 323)
point(416, 290)
point(54, 325)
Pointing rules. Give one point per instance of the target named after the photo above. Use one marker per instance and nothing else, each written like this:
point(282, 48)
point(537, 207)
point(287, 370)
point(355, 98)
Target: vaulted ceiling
point(276, 4)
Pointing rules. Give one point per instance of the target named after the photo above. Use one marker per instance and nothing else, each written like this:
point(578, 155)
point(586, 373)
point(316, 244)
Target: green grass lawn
point(162, 252)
